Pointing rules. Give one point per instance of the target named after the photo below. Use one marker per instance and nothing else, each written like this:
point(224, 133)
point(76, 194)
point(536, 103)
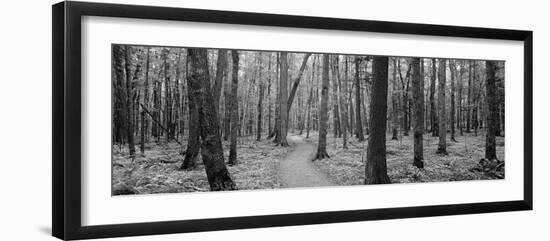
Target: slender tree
point(296, 82)
point(322, 146)
point(220, 74)
point(442, 146)
point(433, 111)
point(340, 99)
point(260, 101)
point(234, 108)
point(212, 151)
point(144, 122)
point(452, 67)
point(283, 99)
point(129, 107)
point(418, 98)
point(358, 123)
point(376, 167)
point(310, 98)
point(492, 106)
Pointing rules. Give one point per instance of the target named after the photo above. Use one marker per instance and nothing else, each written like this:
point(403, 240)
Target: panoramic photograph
point(191, 119)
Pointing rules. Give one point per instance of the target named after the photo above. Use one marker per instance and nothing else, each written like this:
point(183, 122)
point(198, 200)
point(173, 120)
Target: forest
point(198, 119)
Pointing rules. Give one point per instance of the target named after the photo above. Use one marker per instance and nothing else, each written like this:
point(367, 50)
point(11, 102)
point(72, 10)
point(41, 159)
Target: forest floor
point(347, 166)
point(263, 165)
point(158, 170)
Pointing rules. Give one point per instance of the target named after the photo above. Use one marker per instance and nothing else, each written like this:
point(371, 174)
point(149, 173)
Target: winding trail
point(297, 170)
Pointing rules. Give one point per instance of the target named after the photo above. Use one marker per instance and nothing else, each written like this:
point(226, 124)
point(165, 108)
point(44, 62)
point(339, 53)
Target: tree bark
point(358, 123)
point(340, 99)
point(310, 99)
point(442, 146)
point(376, 167)
point(335, 110)
point(211, 148)
point(260, 110)
point(234, 108)
point(469, 100)
point(322, 146)
point(433, 111)
point(283, 100)
point(297, 82)
point(452, 67)
point(220, 74)
point(193, 141)
point(144, 123)
point(129, 103)
point(418, 99)
point(492, 106)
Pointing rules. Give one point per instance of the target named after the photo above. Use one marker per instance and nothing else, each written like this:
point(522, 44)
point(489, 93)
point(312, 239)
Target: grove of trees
point(205, 100)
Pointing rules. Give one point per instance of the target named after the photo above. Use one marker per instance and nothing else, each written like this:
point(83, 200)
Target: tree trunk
point(376, 169)
point(227, 109)
point(220, 74)
point(260, 110)
point(358, 123)
point(310, 99)
point(335, 110)
point(144, 123)
point(193, 141)
point(211, 149)
point(340, 99)
point(492, 106)
point(460, 121)
point(283, 100)
point(442, 146)
point(418, 99)
point(395, 104)
point(297, 81)
point(322, 146)
point(234, 108)
point(469, 100)
point(452, 67)
point(129, 103)
point(269, 95)
point(433, 111)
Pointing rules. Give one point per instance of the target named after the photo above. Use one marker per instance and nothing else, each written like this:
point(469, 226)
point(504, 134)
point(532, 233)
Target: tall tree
point(310, 98)
point(283, 100)
point(234, 108)
point(394, 101)
point(129, 103)
point(442, 146)
point(337, 126)
point(322, 146)
point(227, 108)
point(405, 92)
point(376, 167)
point(452, 67)
point(144, 122)
point(460, 121)
point(220, 74)
point(469, 99)
point(193, 141)
point(297, 81)
point(418, 98)
point(211, 148)
point(358, 123)
point(492, 106)
point(433, 112)
point(260, 100)
point(340, 99)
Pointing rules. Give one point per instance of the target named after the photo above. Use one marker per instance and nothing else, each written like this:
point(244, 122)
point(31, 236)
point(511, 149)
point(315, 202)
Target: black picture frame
point(66, 127)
